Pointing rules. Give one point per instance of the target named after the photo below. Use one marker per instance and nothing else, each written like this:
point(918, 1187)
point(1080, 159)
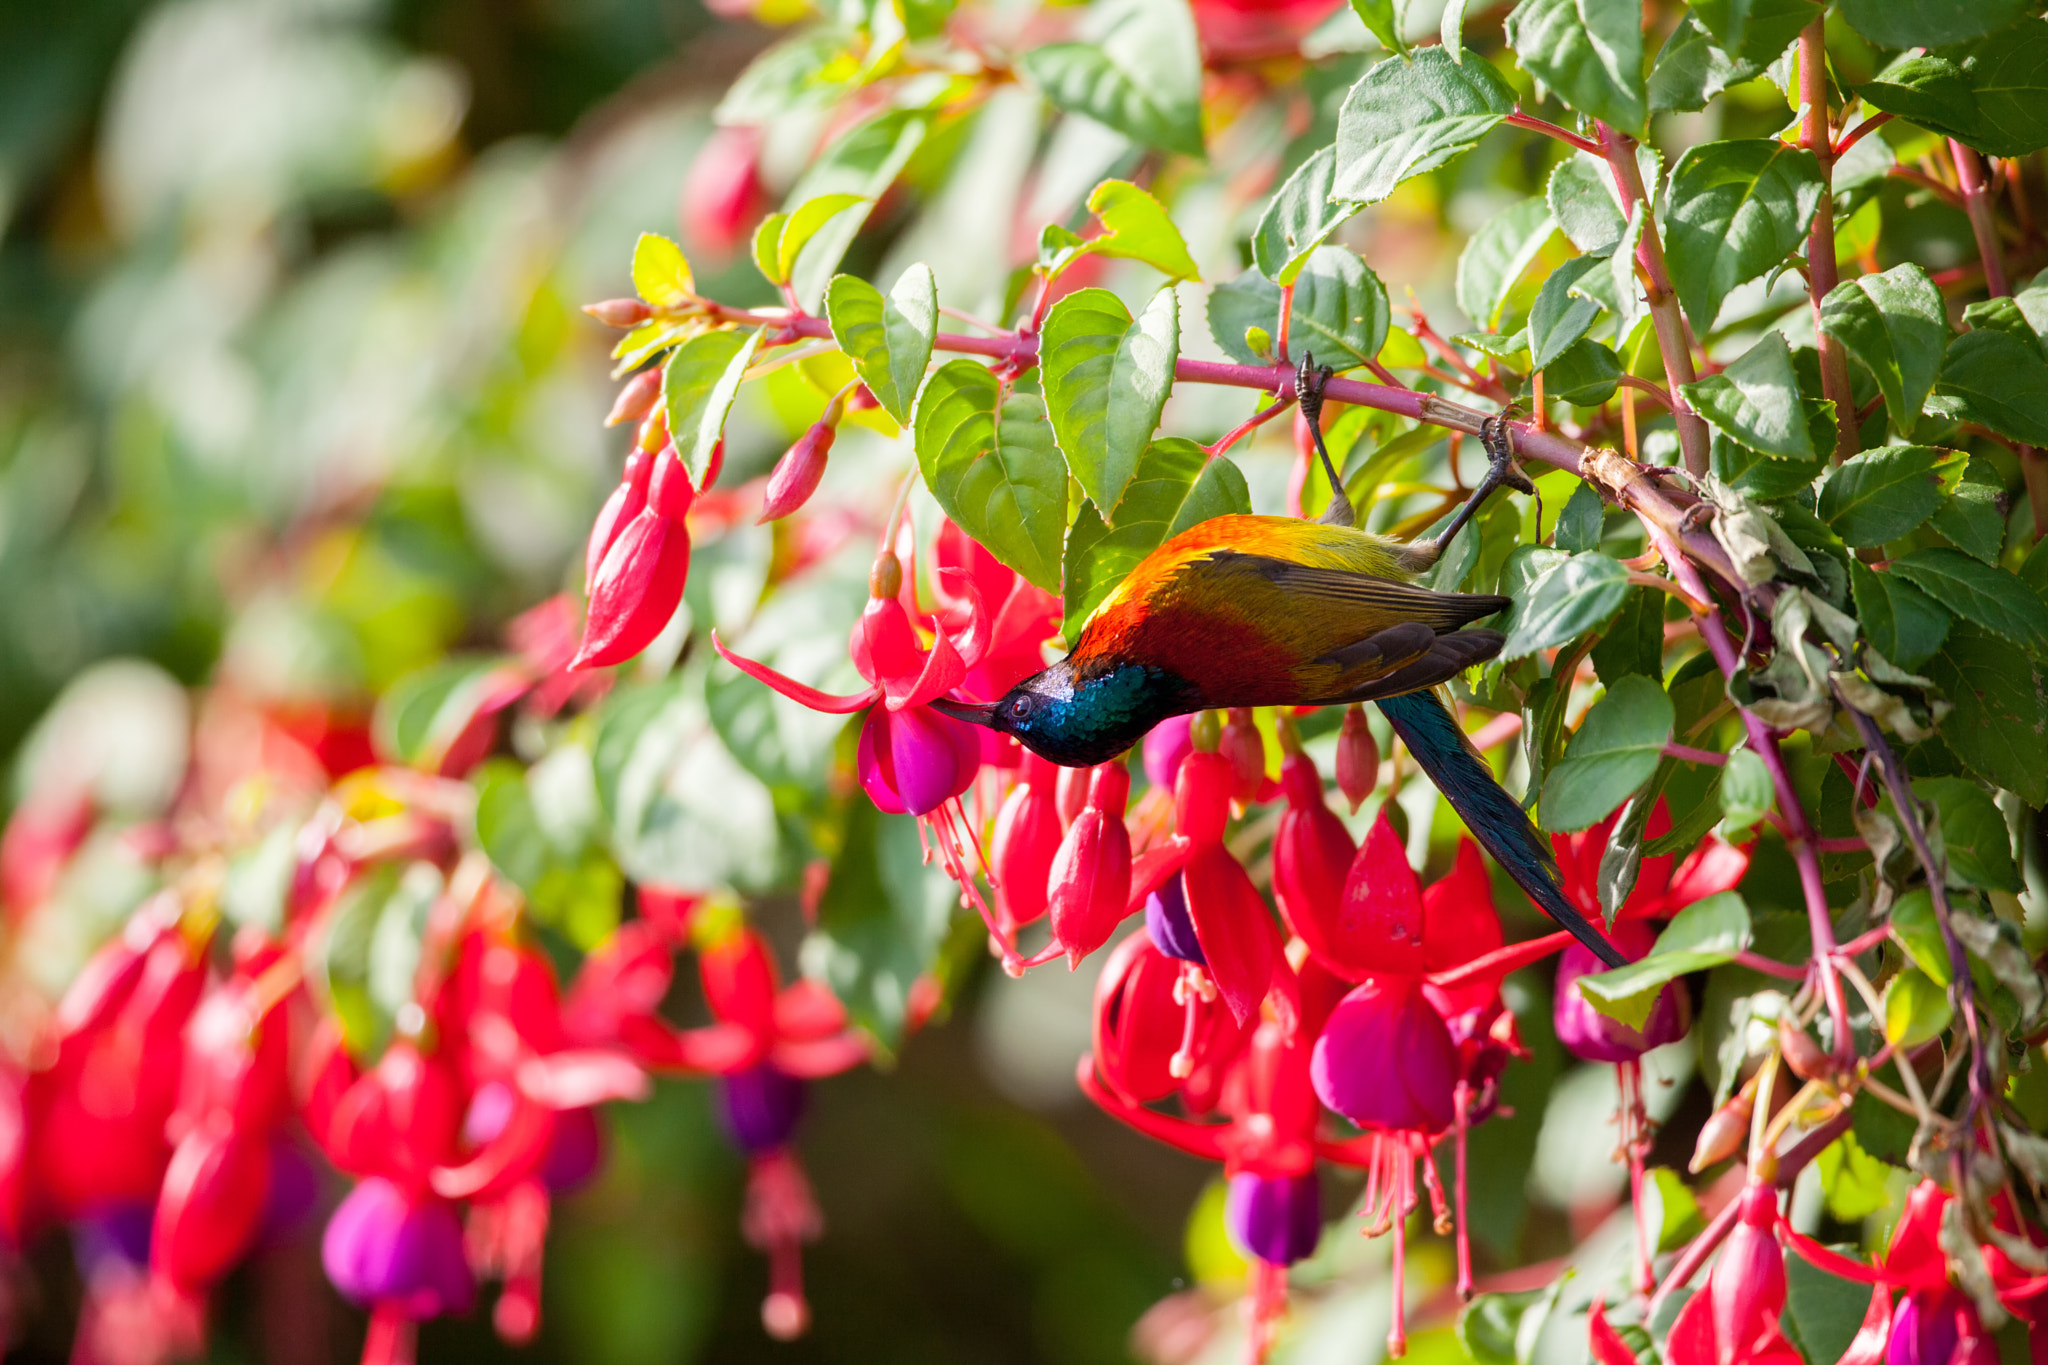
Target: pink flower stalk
point(912, 758)
point(641, 573)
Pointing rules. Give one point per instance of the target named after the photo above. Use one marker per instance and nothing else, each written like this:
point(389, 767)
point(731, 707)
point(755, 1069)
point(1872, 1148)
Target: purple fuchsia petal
point(760, 1107)
point(1278, 1219)
point(1167, 922)
point(1169, 742)
point(1385, 1060)
point(575, 1152)
point(1591, 1035)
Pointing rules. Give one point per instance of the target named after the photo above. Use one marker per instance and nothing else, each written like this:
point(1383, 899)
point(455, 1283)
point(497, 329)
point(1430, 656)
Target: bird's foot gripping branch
point(1732, 662)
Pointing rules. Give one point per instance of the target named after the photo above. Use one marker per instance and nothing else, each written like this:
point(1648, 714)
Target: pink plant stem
point(1674, 338)
point(1518, 119)
point(1629, 1078)
point(1861, 131)
point(1757, 962)
point(1397, 1331)
point(1820, 241)
point(1864, 942)
point(1799, 835)
point(1462, 1098)
point(1977, 204)
point(1685, 753)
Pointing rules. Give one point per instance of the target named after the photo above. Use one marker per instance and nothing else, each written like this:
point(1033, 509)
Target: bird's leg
point(1308, 391)
point(1500, 473)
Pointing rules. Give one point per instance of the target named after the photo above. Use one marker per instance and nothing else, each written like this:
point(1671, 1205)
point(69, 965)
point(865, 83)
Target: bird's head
point(1078, 721)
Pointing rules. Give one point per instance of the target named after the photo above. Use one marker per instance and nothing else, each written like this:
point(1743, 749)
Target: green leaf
point(1586, 375)
point(1580, 193)
point(888, 340)
point(1826, 1311)
point(998, 475)
point(1737, 210)
point(661, 274)
point(1691, 68)
point(1932, 91)
point(1380, 20)
point(422, 716)
point(1340, 310)
point(1408, 116)
point(1670, 1209)
point(1106, 380)
point(1882, 494)
point(1973, 516)
point(1902, 622)
point(1300, 218)
point(1916, 1010)
point(864, 162)
point(1756, 400)
point(1997, 379)
point(1136, 227)
point(1560, 317)
point(1617, 747)
point(1634, 643)
point(2009, 70)
point(767, 236)
point(1999, 727)
point(1140, 74)
point(258, 883)
point(881, 920)
point(1929, 23)
point(1176, 486)
point(1724, 20)
point(1972, 832)
point(1854, 1183)
point(1568, 599)
point(1747, 795)
point(1896, 326)
point(1578, 525)
point(1708, 933)
point(1989, 596)
point(1590, 52)
point(698, 385)
point(1495, 258)
point(790, 74)
point(797, 228)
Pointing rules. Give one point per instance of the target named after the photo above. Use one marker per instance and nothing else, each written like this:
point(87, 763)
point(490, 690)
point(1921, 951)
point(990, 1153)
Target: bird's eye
point(1020, 708)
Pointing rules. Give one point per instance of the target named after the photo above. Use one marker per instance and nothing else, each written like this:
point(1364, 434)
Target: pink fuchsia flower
point(912, 758)
point(1385, 1060)
point(1022, 617)
point(1588, 1034)
point(1664, 886)
point(1167, 743)
point(722, 195)
point(1153, 1033)
point(1358, 757)
point(1245, 30)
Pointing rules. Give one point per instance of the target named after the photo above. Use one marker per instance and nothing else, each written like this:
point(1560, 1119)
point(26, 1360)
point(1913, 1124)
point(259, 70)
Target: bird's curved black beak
point(973, 712)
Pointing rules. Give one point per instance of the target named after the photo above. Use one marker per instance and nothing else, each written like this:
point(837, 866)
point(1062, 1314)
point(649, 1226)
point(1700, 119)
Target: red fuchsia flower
point(1027, 838)
point(766, 1043)
point(544, 637)
point(233, 1094)
point(1021, 615)
point(1245, 30)
point(97, 1115)
point(722, 195)
point(530, 1126)
point(1089, 887)
point(642, 561)
point(912, 758)
point(1154, 1035)
point(1269, 1140)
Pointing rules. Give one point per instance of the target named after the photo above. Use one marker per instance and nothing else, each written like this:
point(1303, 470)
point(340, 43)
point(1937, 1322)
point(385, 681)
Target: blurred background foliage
point(295, 397)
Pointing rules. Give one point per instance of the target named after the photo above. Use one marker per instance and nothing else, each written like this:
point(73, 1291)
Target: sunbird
point(1247, 610)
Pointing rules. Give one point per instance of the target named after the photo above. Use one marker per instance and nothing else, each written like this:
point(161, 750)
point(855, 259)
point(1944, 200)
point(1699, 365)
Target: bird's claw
point(1309, 379)
point(1497, 439)
point(1308, 392)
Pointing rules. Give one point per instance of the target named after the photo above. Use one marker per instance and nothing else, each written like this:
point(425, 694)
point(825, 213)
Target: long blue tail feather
point(1502, 828)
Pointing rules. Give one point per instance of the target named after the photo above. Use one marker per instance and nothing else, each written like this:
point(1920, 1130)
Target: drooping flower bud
point(1358, 757)
point(1312, 851)
point(1089, 888)
point(1593, 1036)
point(1245, 747)
point(1027, 838)
point(621, 313)
point(1072, 794)
point(1725, 1130)
point(722, 194)
point(1278, 1219)
point(636, 399)
point(797, 473)
point(1746, 1287)
point(1802, 1055)
point(214, 1194)
point(1201, 797)
point(1385, 1060)
point(620, 508)
point(640, 581)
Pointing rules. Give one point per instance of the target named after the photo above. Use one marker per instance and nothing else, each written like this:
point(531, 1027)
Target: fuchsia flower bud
point(1072, 794)
point(1385, 1060)
point(797, 473)
point(722, 195)
point(1591, 1035)
point(1089, 888)
point(1312, 856)
point(1027, 838)
point(636, 399)
point(1201, 797)
point(620, 313)
point(212, 1204)
point(1245, 747)
point(1358, 757)
point(639, 582)
point(384, 1246)
point(1168, 743)
point(1734, 1320)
